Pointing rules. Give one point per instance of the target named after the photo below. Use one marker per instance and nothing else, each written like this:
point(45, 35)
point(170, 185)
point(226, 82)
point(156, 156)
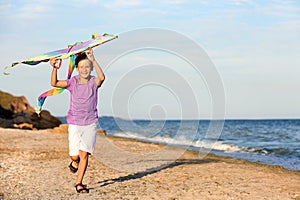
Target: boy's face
point(84, 68)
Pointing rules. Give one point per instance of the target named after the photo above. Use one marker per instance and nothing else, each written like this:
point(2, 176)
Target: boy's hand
point(56, 63)
point(90, 55)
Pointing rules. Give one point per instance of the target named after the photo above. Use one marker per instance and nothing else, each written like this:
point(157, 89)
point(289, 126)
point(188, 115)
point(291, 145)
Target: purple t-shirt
point(83, 102)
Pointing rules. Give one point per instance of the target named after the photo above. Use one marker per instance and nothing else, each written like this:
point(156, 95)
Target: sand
point(34, 165)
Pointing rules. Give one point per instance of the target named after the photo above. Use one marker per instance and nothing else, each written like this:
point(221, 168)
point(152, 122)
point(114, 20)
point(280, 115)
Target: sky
point(249, 47)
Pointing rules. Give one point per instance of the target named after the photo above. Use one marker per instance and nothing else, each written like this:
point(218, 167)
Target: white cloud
point(32, 11)
point(241, 2)
point(5, 7)
point(119, 4)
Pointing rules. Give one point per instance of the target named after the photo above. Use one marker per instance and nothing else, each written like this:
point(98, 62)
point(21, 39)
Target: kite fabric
point(71, 52)
point(67, 52)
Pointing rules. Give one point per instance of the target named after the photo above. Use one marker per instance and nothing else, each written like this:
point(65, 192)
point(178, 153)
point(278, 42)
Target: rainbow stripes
point(55, 91)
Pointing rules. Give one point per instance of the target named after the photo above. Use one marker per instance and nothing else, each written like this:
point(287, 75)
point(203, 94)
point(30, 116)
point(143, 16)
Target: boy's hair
point(80, 57)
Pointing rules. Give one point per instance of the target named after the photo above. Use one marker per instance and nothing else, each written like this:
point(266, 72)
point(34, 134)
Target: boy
point(82, 115)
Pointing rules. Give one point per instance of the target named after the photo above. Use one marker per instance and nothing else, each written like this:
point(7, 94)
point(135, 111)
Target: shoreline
point(34, 165)
point(210, 154)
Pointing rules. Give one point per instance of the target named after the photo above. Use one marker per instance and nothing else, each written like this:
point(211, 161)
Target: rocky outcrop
point(16, 112)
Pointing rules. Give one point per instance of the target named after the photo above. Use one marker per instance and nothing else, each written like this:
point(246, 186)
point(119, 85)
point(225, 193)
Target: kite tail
point(31, 62)
point(11, 66)
point(43, 97)
point(71, 65)
point(55, 91)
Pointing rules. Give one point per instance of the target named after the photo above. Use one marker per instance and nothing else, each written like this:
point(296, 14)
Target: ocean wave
point(197, 145)
point(201, 145)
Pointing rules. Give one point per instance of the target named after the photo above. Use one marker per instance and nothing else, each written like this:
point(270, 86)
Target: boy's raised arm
point(54, 81)
point(100, 75)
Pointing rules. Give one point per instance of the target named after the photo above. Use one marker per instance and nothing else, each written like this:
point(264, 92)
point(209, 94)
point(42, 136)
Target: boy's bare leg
point(83, 157)
point(76, 160)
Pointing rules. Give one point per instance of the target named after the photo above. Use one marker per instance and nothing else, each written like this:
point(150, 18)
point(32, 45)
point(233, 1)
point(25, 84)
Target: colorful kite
point(71, 52)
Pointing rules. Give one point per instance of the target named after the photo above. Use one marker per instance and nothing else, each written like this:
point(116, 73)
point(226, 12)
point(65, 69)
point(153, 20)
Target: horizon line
point(195, 119)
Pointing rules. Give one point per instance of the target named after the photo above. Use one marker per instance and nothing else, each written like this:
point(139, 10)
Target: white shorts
point(82, 138)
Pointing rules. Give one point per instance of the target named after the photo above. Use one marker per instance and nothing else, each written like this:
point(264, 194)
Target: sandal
point(72, 168)
point(82, 188)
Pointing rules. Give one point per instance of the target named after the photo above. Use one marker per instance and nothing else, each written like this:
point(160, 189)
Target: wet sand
point(34, 165)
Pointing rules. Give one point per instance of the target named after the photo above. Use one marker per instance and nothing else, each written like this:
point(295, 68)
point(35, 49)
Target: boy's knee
point(75, 158)
point(83, 154)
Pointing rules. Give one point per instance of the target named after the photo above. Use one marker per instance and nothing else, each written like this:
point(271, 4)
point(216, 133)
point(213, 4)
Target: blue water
point(274, 142)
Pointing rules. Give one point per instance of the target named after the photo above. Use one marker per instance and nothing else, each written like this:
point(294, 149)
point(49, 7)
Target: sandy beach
point(34, 165)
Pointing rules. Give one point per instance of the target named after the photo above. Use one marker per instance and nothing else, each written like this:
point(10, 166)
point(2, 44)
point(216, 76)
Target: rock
point(24, 126)
point(6, 123)
point(20, 104)
point(16, 112)
point(61, 129)
point(45, 115)
point(15, 104)
point(101, 132)
point(7, 114)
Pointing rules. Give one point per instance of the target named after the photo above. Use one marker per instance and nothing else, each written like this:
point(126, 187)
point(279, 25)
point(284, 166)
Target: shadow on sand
point(147, 172)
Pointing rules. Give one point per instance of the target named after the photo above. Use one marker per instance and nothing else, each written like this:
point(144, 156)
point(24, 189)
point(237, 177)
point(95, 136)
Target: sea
point(273, 142)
